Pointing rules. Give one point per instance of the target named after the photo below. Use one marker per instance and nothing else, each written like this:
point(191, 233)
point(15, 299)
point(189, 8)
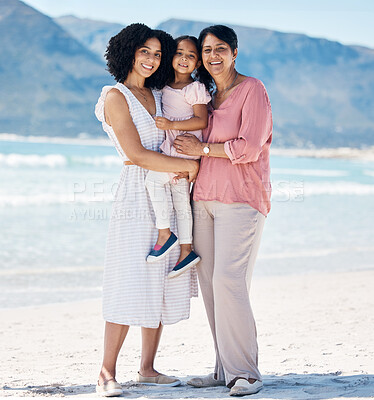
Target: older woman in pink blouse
point(231, 199)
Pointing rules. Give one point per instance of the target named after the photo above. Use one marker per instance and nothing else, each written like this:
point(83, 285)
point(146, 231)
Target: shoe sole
point(174, 274)
point(153, 259)
point(109, 393)
point(245, 392)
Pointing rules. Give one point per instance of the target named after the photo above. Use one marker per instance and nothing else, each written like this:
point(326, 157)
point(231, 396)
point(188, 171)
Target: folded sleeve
point(195, 93)
point(255, 129)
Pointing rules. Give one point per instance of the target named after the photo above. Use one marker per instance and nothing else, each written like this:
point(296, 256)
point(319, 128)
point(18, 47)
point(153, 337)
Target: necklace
point(141, 94)
point(136, 90)
point(227, 89)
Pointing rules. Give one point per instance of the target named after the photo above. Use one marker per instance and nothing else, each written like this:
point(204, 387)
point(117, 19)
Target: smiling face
point(186, 58)
point(147, 58)
point(217, 55)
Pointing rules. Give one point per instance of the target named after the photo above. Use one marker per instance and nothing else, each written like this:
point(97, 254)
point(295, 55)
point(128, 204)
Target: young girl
point(184, 107)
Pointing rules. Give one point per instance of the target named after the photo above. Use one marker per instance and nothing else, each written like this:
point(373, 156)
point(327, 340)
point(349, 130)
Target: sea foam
point(33, 160)
point(86, 140)
point(55, 160)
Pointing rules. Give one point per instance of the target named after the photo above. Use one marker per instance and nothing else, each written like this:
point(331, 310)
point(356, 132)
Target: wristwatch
point(206, 149)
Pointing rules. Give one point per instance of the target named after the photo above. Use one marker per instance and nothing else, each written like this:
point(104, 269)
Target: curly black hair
point(165, 71)
point(224, 33)
point(120, 53)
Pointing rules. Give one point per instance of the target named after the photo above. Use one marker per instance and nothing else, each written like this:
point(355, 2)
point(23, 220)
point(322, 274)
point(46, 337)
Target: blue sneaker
point(187, 263)
point(157, 255)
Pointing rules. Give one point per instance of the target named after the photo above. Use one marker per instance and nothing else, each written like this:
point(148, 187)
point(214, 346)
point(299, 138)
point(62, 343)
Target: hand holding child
point(188, 144)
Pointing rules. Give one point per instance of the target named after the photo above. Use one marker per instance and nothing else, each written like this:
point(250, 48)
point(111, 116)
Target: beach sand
point(315, 337)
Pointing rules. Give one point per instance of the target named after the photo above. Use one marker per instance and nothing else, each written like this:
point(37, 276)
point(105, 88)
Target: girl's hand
point(163, 123)
point(188, 144)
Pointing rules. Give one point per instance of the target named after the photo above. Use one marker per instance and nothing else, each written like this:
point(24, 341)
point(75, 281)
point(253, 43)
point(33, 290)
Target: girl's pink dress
point(177, 106)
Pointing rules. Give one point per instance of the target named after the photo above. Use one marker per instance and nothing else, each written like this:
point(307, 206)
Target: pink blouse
point(243, 122)
point(177, 105)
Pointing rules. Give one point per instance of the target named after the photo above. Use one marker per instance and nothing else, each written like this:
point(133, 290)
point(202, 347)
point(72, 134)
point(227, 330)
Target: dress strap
point(157, 94)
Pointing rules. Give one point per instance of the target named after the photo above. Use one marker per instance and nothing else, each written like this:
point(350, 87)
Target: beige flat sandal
point(110, 388)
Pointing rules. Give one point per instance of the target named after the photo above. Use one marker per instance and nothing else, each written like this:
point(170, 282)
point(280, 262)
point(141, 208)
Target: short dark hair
point(120, 53)
point(222, 32)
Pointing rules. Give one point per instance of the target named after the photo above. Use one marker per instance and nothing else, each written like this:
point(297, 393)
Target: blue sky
point(347, 21)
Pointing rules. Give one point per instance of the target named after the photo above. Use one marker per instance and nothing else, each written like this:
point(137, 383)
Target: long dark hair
point(193, 39)
point(223, 33)
point(177, 40)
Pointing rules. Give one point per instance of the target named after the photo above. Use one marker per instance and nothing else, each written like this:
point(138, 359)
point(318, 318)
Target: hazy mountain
point(94, 35)
point(49, 81)
point(322, 92)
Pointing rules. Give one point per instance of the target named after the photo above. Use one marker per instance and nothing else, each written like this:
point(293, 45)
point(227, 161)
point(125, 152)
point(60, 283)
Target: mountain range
point(51, 72)
point(49, 81)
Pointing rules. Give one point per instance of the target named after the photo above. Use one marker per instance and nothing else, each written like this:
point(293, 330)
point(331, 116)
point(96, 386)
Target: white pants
point(155, 183)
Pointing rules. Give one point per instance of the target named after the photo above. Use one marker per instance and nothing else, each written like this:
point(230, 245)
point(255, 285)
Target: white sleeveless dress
point(134, 292)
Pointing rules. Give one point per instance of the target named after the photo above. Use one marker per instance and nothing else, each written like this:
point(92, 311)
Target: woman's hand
point(193, 170)
point(191, 173)
point(163, 123)
point(188, 144)
point(181, 175)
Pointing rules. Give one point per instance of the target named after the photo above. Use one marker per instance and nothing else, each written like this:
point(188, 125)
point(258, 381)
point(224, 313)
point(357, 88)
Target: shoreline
point(314, 334)
point(349, 153)
point(366, 154)
point(256, 276)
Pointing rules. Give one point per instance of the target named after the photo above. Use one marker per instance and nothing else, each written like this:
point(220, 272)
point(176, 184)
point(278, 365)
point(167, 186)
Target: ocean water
point(55, 205)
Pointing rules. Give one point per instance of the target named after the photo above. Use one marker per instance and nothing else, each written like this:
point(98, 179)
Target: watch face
point(206, 150)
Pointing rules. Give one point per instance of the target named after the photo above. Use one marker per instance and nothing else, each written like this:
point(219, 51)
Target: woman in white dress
point(134, 292)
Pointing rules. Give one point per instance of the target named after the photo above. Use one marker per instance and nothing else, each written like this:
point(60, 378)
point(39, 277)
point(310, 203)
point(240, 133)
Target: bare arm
point(189, 144)
point(197, 122)
point(117, 115)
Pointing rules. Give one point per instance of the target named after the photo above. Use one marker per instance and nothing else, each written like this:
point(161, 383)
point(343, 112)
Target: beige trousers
point(227, 238)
